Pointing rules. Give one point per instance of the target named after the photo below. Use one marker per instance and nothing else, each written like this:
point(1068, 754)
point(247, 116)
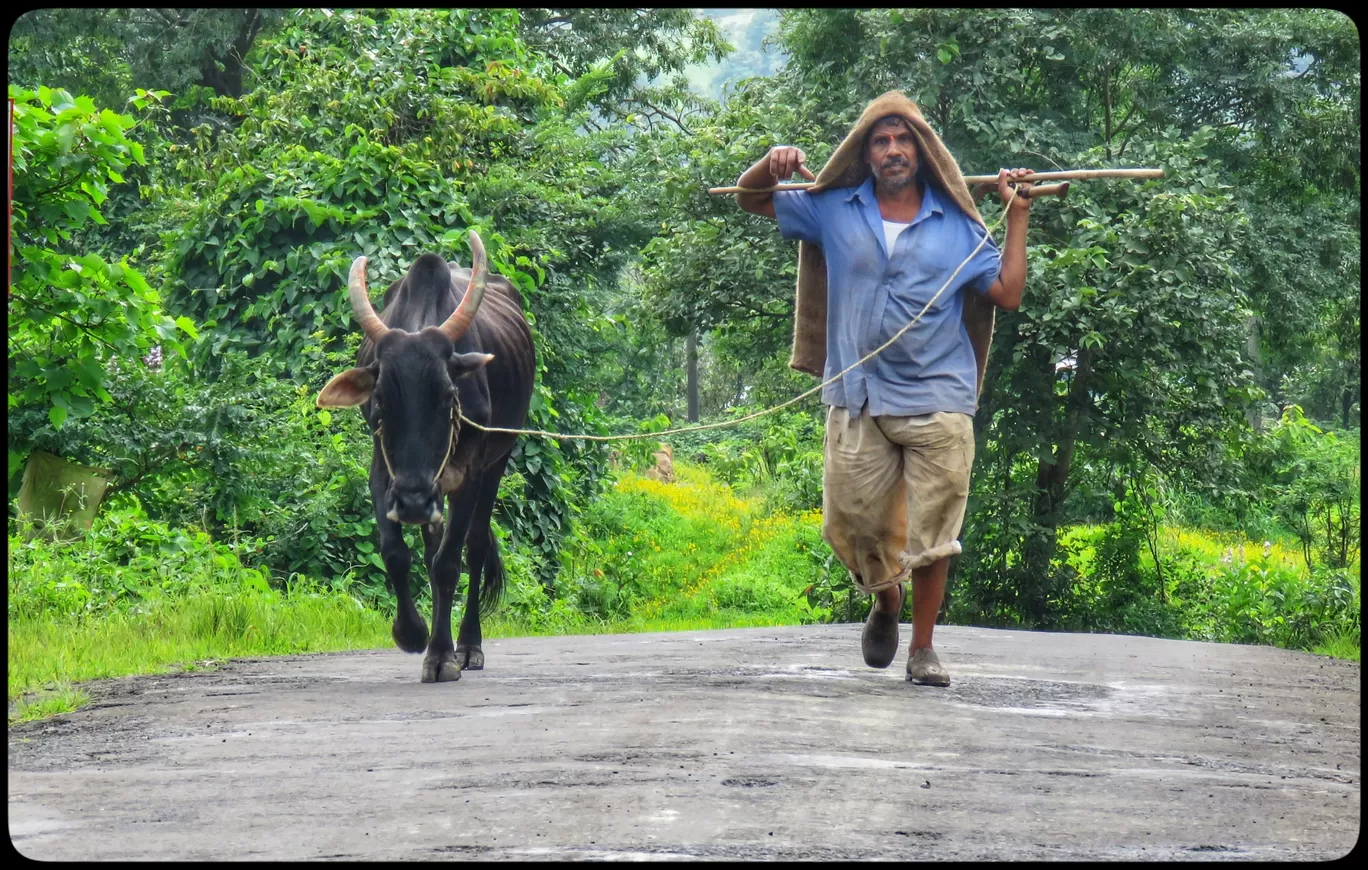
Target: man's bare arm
point(780, 163)
point(1007, 290)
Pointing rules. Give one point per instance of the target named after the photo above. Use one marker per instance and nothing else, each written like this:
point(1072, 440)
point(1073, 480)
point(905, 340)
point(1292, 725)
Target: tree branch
point(85, 327)
point(656, 110)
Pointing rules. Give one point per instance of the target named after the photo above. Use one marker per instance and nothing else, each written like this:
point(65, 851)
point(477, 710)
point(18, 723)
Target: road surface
point(737, 744)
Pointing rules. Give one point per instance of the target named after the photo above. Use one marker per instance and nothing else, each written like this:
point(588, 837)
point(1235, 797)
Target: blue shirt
point(872, 293)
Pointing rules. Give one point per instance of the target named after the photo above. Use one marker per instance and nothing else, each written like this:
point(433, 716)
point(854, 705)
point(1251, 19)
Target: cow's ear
point(348, 389)
point(462, 364)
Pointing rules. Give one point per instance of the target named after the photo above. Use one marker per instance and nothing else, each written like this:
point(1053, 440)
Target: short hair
point(864, 149)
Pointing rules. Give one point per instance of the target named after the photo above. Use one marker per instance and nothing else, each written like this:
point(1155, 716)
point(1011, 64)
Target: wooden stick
point(1064, 175)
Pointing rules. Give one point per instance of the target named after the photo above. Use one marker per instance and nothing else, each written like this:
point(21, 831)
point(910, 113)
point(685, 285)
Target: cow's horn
point(374, 328)
point(460, 319)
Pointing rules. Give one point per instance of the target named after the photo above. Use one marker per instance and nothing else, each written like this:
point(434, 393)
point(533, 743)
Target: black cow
point(426, 362)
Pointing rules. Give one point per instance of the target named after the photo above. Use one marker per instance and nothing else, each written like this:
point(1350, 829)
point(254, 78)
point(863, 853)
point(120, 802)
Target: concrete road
point(750, 744)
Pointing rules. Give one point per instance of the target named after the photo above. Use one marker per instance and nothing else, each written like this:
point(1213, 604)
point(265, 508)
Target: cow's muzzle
point(416, 506)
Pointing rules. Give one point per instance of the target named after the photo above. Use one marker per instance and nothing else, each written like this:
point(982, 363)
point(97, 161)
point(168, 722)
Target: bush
point(1314, 486)
point(692, 550)
point(1216, 588)
point(125, 561)
point(779, 454)
point(246, 455)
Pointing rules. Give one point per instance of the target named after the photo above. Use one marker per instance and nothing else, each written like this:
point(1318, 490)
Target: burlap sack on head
point(847, 168)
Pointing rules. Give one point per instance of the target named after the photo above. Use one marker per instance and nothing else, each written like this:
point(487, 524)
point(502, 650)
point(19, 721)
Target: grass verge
point(1344, 645)
point(48, 655)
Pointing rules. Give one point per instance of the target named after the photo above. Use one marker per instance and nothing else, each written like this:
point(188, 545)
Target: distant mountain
point(746, 29)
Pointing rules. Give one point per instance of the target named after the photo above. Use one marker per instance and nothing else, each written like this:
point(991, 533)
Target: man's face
point(892, 153)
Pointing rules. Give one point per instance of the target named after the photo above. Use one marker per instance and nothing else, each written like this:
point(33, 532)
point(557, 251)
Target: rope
point(456, 418)
point(796, 399)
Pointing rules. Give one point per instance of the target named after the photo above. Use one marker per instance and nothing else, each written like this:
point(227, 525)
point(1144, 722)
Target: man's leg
point(928, 590)
point(863, 521)
point(938, 453)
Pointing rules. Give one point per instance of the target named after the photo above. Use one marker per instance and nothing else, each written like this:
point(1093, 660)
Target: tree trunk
point(1255, 413)
point(228, 80)
point(1051, 477)
point(692, 357)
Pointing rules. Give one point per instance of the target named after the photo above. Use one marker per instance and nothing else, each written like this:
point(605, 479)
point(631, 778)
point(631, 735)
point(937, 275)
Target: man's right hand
point(780, 163)
point(785, 160)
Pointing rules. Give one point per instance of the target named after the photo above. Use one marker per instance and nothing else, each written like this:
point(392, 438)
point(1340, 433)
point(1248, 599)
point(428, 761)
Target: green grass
point(1344, 645)
point(47, 655)
point(62, 698)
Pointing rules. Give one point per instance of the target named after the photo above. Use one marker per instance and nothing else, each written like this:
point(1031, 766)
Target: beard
point(890, 178)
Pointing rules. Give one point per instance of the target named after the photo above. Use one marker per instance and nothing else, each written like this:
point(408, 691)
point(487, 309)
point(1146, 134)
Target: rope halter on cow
point(456, 418)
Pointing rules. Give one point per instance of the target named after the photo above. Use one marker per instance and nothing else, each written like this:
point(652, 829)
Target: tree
point(71, 311)
point(106, 53)
point(640, 46)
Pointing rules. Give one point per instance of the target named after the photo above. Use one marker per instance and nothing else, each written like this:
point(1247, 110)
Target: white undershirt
point(891, 231)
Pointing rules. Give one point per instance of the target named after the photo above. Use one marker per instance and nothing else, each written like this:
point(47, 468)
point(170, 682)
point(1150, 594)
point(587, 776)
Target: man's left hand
point(1006, 180)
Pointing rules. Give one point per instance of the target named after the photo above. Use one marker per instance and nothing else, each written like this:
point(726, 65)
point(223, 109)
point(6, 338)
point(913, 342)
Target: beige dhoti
point(894, 491)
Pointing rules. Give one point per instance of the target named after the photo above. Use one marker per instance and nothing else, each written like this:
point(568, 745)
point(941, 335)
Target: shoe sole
point(928, 681)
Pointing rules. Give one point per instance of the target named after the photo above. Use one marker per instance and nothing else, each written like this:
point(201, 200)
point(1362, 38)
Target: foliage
point(248, 456)
point(1313, 483)
point(71, 312)
point(633, 47)
point(1126, 355)
point(690, 549)
point(324, 167)
point(1132, 400)
point(136, 595)
point(125, 561)
point(779, 455)
point(106, 53)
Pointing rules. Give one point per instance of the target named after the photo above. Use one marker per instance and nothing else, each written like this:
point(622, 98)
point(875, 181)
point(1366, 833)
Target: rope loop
point(456, 418)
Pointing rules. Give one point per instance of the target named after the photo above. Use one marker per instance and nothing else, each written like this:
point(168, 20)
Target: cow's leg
point(432, 539)
point(485, 568)
point(440, 664)
point(409, 630)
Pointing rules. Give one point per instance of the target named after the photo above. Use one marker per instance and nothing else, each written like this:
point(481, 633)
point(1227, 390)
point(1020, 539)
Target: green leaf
point(57, 415)
point(188, 327)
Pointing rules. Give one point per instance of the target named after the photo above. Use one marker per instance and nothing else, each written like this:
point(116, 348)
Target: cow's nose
point(415, 505)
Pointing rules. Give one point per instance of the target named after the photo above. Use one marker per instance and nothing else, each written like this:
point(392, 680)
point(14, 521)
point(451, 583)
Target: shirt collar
point(930, 201)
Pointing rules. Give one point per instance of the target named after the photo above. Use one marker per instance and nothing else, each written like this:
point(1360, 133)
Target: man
point(899, 434)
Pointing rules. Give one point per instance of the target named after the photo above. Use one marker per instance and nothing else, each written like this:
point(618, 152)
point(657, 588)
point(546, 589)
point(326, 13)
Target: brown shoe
point(879, 641)
point(924, 668)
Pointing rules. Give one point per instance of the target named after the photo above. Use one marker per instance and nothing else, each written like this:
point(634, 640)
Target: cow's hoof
point(410, 635)
point(470, 657)
point(441, 670)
